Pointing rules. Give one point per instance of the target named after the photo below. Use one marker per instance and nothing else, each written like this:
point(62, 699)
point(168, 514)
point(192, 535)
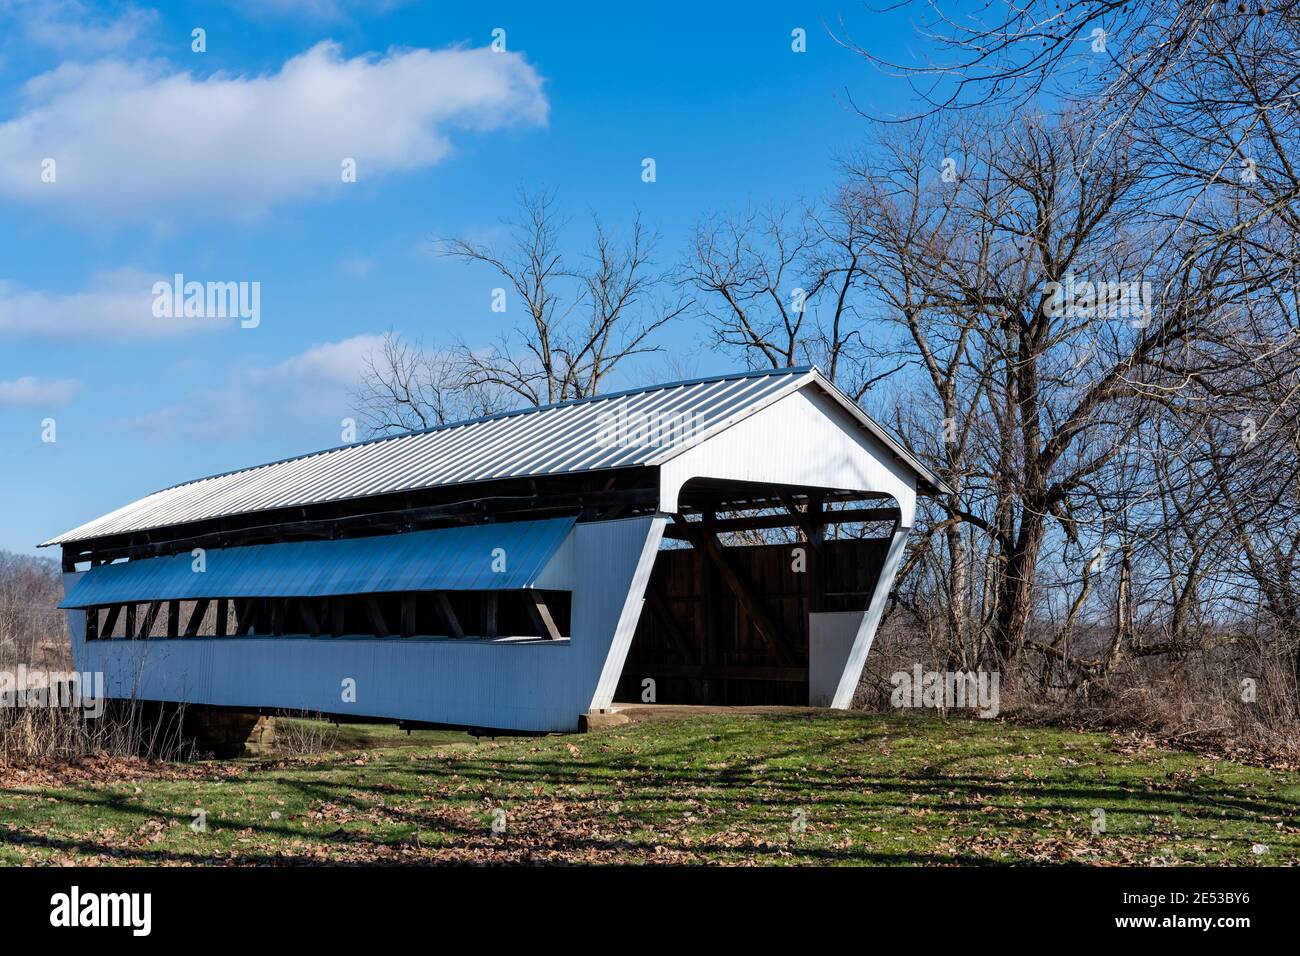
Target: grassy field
point(815, 787)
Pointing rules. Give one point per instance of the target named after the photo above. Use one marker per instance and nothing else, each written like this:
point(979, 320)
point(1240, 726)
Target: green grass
point(727, 789)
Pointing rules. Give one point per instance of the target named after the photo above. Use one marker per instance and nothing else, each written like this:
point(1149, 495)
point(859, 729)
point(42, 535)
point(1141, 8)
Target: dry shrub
point(126, 729)
point(1197, 699)
point(300, 733)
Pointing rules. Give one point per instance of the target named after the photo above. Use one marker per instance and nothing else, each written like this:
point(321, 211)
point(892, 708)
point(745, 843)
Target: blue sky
point(225, 166)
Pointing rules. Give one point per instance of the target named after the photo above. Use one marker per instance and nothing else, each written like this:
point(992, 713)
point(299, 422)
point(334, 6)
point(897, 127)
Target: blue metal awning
point(490, 557)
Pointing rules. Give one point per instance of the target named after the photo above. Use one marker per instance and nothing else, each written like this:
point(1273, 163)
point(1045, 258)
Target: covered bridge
point(516, 571)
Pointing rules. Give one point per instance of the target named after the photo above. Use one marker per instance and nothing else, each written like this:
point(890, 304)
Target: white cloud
point(70, 27)
point(326, 366)
point(116, 306)
point(314, 386)
point(318, 9)
point(29, 391)
point(141, 141)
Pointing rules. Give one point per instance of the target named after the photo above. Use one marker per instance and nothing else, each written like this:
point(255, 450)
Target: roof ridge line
point(527, 410)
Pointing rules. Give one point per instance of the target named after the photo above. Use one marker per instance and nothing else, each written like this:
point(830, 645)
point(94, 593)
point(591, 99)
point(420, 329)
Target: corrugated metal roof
point(646, 426)
point(448, 559)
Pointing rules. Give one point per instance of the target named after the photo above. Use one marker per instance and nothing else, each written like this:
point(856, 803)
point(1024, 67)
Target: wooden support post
point(448, 615)
point(541, 615)
point(743, 589)
point(408, 613)
point(223, 617)
point(711, 635)
point(307, 609)
point(802, 520)
point(337, 622)
point(489, 613)
point(150, 618)
point(253, 620)
point(92, 623)
point(816, 558)
point(128, 628)
point(375, 615)
point(196, 618)
point(242, 622)
point(278, 607)
point(173, 618)
point(110, 622)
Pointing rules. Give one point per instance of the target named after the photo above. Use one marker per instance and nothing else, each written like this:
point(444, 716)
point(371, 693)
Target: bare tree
point(780, 287)
point(582, 321)
point(406, 386)
point(32, 628)
point(1037, 388)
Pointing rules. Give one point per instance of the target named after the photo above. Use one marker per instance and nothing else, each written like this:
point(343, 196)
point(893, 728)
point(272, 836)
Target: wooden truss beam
point(375, 616)
point(278, 608)
point(792, 675)
point(110, 622)
point(150, 617)
point(245, 616)
point(807, 522)
point(448, 615)
point(746, 595)
point(196, 618)
point(757, 522)
point(541, 614)
point(307, 608)
point(409, 609)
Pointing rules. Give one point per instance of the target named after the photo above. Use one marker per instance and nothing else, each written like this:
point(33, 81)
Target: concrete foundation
point(228, 733)
point(601, 720)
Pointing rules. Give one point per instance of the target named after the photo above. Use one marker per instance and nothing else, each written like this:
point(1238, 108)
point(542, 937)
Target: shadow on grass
point(749, 776)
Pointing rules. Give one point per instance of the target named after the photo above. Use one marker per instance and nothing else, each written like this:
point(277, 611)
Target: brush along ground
point(808, 787)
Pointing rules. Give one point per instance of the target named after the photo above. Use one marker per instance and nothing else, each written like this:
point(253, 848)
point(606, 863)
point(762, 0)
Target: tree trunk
point(1016, 590)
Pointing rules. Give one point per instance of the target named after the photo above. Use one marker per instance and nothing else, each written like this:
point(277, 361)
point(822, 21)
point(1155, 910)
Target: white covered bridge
point(493, 573)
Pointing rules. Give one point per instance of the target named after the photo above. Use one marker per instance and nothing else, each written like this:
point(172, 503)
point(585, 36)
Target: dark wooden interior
point(702, 645)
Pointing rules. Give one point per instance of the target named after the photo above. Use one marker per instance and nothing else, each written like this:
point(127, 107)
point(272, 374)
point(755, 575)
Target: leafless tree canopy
point(580, 321)
point(781, 287)
point(1151, 469)
point(32, 629)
